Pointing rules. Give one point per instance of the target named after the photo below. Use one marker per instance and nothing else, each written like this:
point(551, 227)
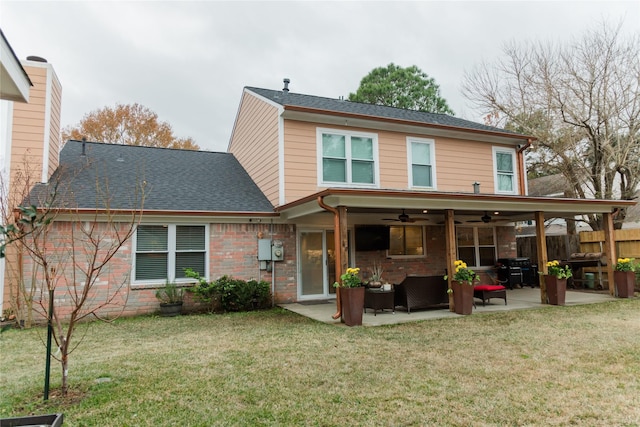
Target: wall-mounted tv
point(372, 237)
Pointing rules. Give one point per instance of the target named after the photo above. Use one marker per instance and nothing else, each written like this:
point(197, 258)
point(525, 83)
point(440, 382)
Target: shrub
point(231, 294)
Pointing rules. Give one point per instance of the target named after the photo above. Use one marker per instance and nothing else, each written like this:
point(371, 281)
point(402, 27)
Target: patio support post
point(609, 249)
point(541, 247)
point(450, 244)
point(340, 236)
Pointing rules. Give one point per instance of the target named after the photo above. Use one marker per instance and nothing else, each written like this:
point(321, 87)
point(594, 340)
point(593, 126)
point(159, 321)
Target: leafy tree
point(127, 125)
point(580, 100)
point(408, 88)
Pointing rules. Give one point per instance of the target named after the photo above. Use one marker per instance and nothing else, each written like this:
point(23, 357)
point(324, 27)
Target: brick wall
point(233, 251)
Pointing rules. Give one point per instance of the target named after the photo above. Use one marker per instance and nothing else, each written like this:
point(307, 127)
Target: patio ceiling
point(465, 205)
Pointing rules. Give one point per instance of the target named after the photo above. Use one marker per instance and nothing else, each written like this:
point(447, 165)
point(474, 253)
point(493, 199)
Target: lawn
point(550, 366)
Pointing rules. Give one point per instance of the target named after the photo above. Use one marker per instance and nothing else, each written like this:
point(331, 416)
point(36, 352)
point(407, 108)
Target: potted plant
point(462, 287)
point(352, 296)
point(171, 299)
point(556, 282)
point(376, 275)
point(624, 277)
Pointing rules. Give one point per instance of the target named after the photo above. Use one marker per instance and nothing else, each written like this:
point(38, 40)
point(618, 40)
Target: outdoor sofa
point(416, 292)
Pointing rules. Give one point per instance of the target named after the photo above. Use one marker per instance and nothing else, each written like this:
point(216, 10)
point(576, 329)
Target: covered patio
point(517, 299)
point(447, 212)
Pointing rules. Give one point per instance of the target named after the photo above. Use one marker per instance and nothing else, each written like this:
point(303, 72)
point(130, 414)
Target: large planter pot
point(625, 283)
point(352, 300)
point(170, 309)
point(462, 298)
point(556, 289)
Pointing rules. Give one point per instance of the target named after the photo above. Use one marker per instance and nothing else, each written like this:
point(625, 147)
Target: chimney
point(286, 85)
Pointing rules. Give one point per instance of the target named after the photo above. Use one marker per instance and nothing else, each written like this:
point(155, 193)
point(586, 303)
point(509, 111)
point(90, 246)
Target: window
point(164, 251)
point(476, 246)
point(406, 240)
point(421, 162)
point(504, 170)
point(347, 158)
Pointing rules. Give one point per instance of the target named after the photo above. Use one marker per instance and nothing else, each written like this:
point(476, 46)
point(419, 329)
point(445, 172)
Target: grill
point(517, 271)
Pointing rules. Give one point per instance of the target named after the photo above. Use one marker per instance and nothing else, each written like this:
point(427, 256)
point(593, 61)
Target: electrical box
point(264, 249)
point(277, 252)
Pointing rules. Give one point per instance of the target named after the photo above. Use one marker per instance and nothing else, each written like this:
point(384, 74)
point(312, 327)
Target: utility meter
point(277, 252)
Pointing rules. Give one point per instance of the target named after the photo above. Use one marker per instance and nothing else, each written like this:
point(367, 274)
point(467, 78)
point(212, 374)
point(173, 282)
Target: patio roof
point(508, 207)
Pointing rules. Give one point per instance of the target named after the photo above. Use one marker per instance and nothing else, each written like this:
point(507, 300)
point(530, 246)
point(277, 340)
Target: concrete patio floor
point(517, 299)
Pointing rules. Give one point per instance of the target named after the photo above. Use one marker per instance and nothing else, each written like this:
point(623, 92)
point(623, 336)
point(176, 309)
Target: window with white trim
point(504, 170)
point(347, 158)
point(476, 246)
point(406, 240)
point(162, 252)
point(421, 155)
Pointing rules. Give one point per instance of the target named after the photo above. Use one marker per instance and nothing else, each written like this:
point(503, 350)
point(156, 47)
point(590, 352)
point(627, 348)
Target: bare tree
point(69, 251)
point(580, 100)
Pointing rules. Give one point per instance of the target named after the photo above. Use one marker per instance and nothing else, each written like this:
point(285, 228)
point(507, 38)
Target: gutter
point(522, 190)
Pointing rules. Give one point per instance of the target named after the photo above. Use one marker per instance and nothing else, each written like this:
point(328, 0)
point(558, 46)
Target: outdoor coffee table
point(377, 299)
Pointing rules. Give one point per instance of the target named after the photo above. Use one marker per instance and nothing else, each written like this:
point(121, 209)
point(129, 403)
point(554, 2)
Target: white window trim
point(348, 134)
point(476, 244)
point(432, 161)
point(424, 243)
point(512, 152)
point(171, 255)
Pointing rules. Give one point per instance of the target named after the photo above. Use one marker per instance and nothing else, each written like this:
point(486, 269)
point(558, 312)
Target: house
point(309, 186)
point(29, 133)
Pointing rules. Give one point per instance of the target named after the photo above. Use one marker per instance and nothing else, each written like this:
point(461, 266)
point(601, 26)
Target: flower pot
point(170, 309)
point(625, 283)
point(556, 289)
point(462, 298)
point(352, 300)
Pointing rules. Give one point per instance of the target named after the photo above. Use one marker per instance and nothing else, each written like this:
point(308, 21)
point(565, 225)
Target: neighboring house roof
point(14, 81)
point(174, 180)
point(549, 186)
point(374, 111)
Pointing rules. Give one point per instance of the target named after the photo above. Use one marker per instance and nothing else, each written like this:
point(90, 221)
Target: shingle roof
point(175, 180)
point(372, 110)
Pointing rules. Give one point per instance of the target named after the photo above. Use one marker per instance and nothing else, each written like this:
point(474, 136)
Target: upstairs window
point(162, 252)
point(421, 162)
point(347, 158)
point(504, 161)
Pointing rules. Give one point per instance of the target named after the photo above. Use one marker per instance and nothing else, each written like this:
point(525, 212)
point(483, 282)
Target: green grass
point(551, 366)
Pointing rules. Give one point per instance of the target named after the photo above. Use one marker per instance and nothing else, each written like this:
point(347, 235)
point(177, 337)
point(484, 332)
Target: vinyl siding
point(255, 143)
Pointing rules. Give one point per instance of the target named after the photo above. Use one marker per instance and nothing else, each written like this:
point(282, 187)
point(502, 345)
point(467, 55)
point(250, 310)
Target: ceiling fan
point(486, 218)
point(403, 217)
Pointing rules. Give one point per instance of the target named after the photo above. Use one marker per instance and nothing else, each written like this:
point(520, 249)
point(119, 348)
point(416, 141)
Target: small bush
point(231, 294)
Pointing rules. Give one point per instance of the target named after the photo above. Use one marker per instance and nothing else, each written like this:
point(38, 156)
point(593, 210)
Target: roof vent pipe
point(286, 84)
point(476, 187)
point(84, 143)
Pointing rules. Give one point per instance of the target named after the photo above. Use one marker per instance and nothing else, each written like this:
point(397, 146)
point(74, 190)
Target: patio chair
point(494, 290)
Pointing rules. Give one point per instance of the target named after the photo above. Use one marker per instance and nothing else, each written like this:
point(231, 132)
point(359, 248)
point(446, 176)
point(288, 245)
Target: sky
point(188, 61)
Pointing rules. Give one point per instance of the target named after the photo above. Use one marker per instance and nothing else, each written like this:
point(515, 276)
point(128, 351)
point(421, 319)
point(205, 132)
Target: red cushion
point(488, 288)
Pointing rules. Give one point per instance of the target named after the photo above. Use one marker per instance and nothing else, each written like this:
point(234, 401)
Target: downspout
point(338, 250)
point(521, 178)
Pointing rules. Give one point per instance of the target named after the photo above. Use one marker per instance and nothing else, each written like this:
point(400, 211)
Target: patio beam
point(541, 247)
point(609, 249)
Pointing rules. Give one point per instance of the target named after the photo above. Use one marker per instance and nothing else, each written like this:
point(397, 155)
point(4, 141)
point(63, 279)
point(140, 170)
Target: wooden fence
point(561, 247)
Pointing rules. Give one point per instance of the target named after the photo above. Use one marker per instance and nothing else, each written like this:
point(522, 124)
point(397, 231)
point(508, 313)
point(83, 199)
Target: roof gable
point(174, 180)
